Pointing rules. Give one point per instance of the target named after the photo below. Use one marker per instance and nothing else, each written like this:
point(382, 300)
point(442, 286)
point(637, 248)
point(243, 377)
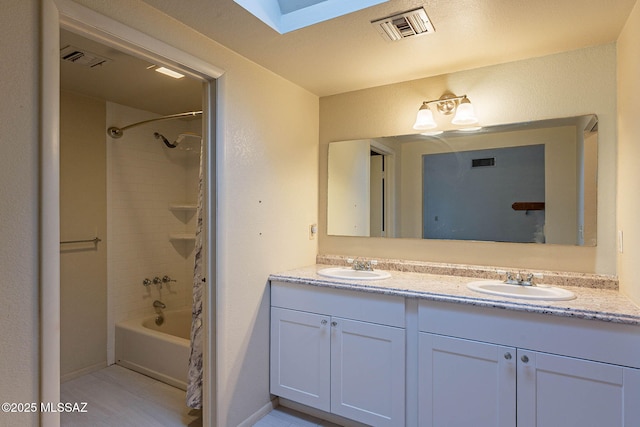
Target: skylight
point(288, 6)
point(289, 15)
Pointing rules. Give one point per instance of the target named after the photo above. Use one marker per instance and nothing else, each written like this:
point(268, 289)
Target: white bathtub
point(161, 352)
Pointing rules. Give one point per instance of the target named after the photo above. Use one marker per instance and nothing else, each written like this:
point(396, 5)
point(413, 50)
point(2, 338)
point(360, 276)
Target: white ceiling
point(126, 80)
point(346, 53)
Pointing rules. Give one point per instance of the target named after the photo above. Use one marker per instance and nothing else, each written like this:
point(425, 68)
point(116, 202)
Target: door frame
point(389, 186)
point(56, 14)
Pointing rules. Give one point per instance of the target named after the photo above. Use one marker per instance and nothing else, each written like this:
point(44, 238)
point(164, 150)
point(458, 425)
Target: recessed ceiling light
point(169, 72)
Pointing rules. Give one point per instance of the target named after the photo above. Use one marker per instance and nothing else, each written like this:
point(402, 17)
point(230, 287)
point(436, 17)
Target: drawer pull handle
point(334, 323)
point(324, 322)
point(525, 359)
point(507, 356)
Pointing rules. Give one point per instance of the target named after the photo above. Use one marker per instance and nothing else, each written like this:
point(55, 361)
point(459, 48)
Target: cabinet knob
point(507, 356)
point(334, 323)
point(324, 322)
point(525, 359)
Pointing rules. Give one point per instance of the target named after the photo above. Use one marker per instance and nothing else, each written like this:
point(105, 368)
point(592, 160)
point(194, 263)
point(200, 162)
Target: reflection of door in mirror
point(477, 194)
point(360, 189)
point(348, 188)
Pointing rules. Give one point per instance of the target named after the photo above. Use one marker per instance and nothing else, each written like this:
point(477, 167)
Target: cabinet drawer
point(587, 339)
point(363, 306)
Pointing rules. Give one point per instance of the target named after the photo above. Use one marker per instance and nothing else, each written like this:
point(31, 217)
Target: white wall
point(144, 178)
point(19, 208)
point(628, 155)
point(566, 84)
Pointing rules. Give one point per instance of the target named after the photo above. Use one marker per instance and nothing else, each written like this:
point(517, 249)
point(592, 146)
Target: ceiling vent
point(82, 57)
point(403, 25)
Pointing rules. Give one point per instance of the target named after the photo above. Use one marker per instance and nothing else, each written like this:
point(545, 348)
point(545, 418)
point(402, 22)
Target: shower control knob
point(146, 282)
point(157, 280)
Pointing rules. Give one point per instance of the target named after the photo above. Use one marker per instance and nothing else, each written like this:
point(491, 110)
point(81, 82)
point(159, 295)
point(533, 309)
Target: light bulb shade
point(424, 119)
point(465, 115)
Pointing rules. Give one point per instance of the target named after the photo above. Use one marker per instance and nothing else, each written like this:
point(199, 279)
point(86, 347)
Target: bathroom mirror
point(532, 182)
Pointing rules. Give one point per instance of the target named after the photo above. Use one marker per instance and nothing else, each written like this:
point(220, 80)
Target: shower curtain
point(194, 386)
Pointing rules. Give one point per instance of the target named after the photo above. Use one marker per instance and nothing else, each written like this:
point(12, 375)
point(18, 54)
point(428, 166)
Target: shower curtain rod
point(116, 132)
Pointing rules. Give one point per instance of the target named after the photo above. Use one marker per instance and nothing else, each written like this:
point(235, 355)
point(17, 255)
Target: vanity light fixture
point(447, 104)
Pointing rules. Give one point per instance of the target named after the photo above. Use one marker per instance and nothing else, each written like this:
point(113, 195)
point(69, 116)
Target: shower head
point(188, 141)
point(165, 140)
point(185, 141)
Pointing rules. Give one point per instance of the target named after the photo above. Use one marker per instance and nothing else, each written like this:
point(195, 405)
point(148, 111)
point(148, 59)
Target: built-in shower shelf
point(182, 236)
point(183, 207)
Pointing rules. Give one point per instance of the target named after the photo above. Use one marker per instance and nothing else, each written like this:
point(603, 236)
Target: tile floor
point(119, 397)
point(285, 417)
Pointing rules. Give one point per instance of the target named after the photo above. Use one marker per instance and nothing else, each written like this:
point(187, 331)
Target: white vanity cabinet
point(300, 357)
point(465, 383)
point(474, 370)
point(339, 351)
point(557, 390)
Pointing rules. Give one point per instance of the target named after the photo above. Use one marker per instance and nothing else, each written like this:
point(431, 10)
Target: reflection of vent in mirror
point(478, 163)
point(403, 25)
point(82, 57)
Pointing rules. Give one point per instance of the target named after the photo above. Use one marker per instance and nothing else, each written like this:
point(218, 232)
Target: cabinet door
point(465, 383)
point(368, 372)
point(300, 357)
point(563, 391)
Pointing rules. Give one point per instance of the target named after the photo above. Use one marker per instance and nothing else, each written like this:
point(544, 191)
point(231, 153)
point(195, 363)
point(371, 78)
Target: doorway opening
point(81, 21)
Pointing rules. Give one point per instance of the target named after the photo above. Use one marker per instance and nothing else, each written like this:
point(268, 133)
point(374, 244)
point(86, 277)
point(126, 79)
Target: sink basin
point(350, 273)
point(538, 292)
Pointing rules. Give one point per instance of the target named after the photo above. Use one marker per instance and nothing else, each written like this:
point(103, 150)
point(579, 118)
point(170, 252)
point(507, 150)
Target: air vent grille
point(403, 25)
point(82, 57)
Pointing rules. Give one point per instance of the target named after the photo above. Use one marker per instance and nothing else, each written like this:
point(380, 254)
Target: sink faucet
point(366, 265)
point(520, 280)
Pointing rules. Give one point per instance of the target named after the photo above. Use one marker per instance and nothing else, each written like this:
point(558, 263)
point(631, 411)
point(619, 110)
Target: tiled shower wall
point(143, 179)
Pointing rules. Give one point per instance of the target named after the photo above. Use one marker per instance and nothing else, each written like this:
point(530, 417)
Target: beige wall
point(19, 208)
point(567, 84)
point(268, 184)
point(628, 155)
point(83, 215)
point(267, 195)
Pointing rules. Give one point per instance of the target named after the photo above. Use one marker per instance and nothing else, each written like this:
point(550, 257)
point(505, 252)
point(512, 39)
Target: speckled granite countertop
point(599, 304)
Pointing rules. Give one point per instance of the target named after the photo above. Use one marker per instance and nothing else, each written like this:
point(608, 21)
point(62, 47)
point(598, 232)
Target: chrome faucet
point(520, 280)
point(366, 265)
point(159, 304)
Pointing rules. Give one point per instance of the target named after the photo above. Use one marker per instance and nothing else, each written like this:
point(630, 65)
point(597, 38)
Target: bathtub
point(161, 352)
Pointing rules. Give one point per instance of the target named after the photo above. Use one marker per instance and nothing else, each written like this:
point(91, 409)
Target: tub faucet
point(159, 304)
